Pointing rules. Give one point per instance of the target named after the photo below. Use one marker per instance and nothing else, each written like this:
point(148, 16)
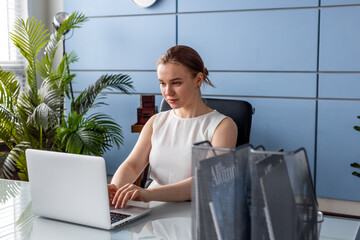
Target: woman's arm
point(138, 159)
point(225, 135)
point(180, 191)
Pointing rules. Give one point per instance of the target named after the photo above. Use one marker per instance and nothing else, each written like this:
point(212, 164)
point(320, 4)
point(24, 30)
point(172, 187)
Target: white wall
point(44, 11)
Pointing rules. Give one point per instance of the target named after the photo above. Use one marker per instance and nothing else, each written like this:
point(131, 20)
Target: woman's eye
point(162, 84)
point(176, 83)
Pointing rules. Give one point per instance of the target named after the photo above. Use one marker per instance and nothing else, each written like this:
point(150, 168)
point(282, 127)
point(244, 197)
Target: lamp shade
point(59, 18)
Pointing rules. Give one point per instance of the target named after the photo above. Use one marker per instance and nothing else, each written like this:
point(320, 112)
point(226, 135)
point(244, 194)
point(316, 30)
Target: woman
point(166, 139)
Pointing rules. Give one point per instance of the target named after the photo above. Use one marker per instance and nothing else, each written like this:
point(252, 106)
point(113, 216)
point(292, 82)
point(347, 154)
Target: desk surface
point(166, 221)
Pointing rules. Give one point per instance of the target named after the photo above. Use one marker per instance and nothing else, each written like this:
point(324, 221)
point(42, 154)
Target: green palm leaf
point(26, 108)
point(89, 135)
point(8, 126)
point(51, 95)
point(27, 104)
point(5, 133)
point(3, 156)
point(7, 115)
point(29, 37)
point(113, 131)
point(44, 117)
point(79, 136)
point(75, 20)
point(89, 140)
point(9, 89)
point(87, 98)
point(16, 161)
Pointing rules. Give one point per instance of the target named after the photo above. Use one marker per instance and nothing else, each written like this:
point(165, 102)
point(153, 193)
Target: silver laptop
point(73, 188)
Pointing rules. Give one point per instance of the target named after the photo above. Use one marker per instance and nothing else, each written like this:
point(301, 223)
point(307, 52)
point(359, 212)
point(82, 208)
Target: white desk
point(166, 221)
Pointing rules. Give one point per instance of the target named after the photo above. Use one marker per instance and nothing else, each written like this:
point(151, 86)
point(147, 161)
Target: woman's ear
point(199, 79)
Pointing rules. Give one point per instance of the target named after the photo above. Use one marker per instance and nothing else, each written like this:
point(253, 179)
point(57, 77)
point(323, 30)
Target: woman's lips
point(171, 101)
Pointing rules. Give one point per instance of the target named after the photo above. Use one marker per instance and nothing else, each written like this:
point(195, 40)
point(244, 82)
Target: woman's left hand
point(130, 192)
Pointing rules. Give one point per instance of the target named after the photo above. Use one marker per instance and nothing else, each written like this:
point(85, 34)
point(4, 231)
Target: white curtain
point(10, 57)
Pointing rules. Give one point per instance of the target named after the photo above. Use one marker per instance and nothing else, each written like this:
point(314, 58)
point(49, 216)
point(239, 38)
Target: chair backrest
point(240, 111)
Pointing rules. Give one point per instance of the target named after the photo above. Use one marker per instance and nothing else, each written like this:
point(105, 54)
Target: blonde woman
point(166, 139)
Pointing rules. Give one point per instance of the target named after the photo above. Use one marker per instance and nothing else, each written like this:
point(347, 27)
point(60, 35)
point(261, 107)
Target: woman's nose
point(168, 90)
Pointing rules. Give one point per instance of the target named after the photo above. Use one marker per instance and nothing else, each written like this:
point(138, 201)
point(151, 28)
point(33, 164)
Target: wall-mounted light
point(144, 3)
point(59, 19)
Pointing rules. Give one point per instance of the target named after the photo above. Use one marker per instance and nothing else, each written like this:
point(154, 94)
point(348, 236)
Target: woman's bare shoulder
point(225, 134)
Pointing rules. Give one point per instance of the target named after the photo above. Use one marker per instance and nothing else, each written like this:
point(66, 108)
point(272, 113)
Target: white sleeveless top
point(172, 140)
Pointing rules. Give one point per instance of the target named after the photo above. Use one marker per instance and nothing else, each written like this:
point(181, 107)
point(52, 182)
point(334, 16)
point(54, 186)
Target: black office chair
point(238, 110)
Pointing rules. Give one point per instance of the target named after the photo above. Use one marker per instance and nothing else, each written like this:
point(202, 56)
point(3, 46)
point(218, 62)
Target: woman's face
point(178, 87)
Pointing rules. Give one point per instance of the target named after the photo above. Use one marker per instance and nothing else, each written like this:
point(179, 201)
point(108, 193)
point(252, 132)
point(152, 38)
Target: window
point(10, 57)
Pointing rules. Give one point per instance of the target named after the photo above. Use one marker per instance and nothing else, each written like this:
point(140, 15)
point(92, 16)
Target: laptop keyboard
point(116, 217)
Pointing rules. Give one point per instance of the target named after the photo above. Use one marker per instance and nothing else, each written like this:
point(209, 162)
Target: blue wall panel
point(118, 7)
point(338, 146)
point(339, 86)
point(340, 39)
point(216, 5)
point(262, 84)
point(122, 43)
point(337, 2)
point(284, 124)
point(144, 82)
point(264, 40)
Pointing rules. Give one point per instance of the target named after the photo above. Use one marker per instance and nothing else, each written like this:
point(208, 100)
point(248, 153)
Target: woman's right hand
point(130, 192)
point(112, 189)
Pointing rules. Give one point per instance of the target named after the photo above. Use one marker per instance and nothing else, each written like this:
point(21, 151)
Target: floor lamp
point(59, 18)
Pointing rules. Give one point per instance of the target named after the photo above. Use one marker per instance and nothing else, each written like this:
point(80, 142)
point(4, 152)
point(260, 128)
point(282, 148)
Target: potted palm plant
point(36, 117)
